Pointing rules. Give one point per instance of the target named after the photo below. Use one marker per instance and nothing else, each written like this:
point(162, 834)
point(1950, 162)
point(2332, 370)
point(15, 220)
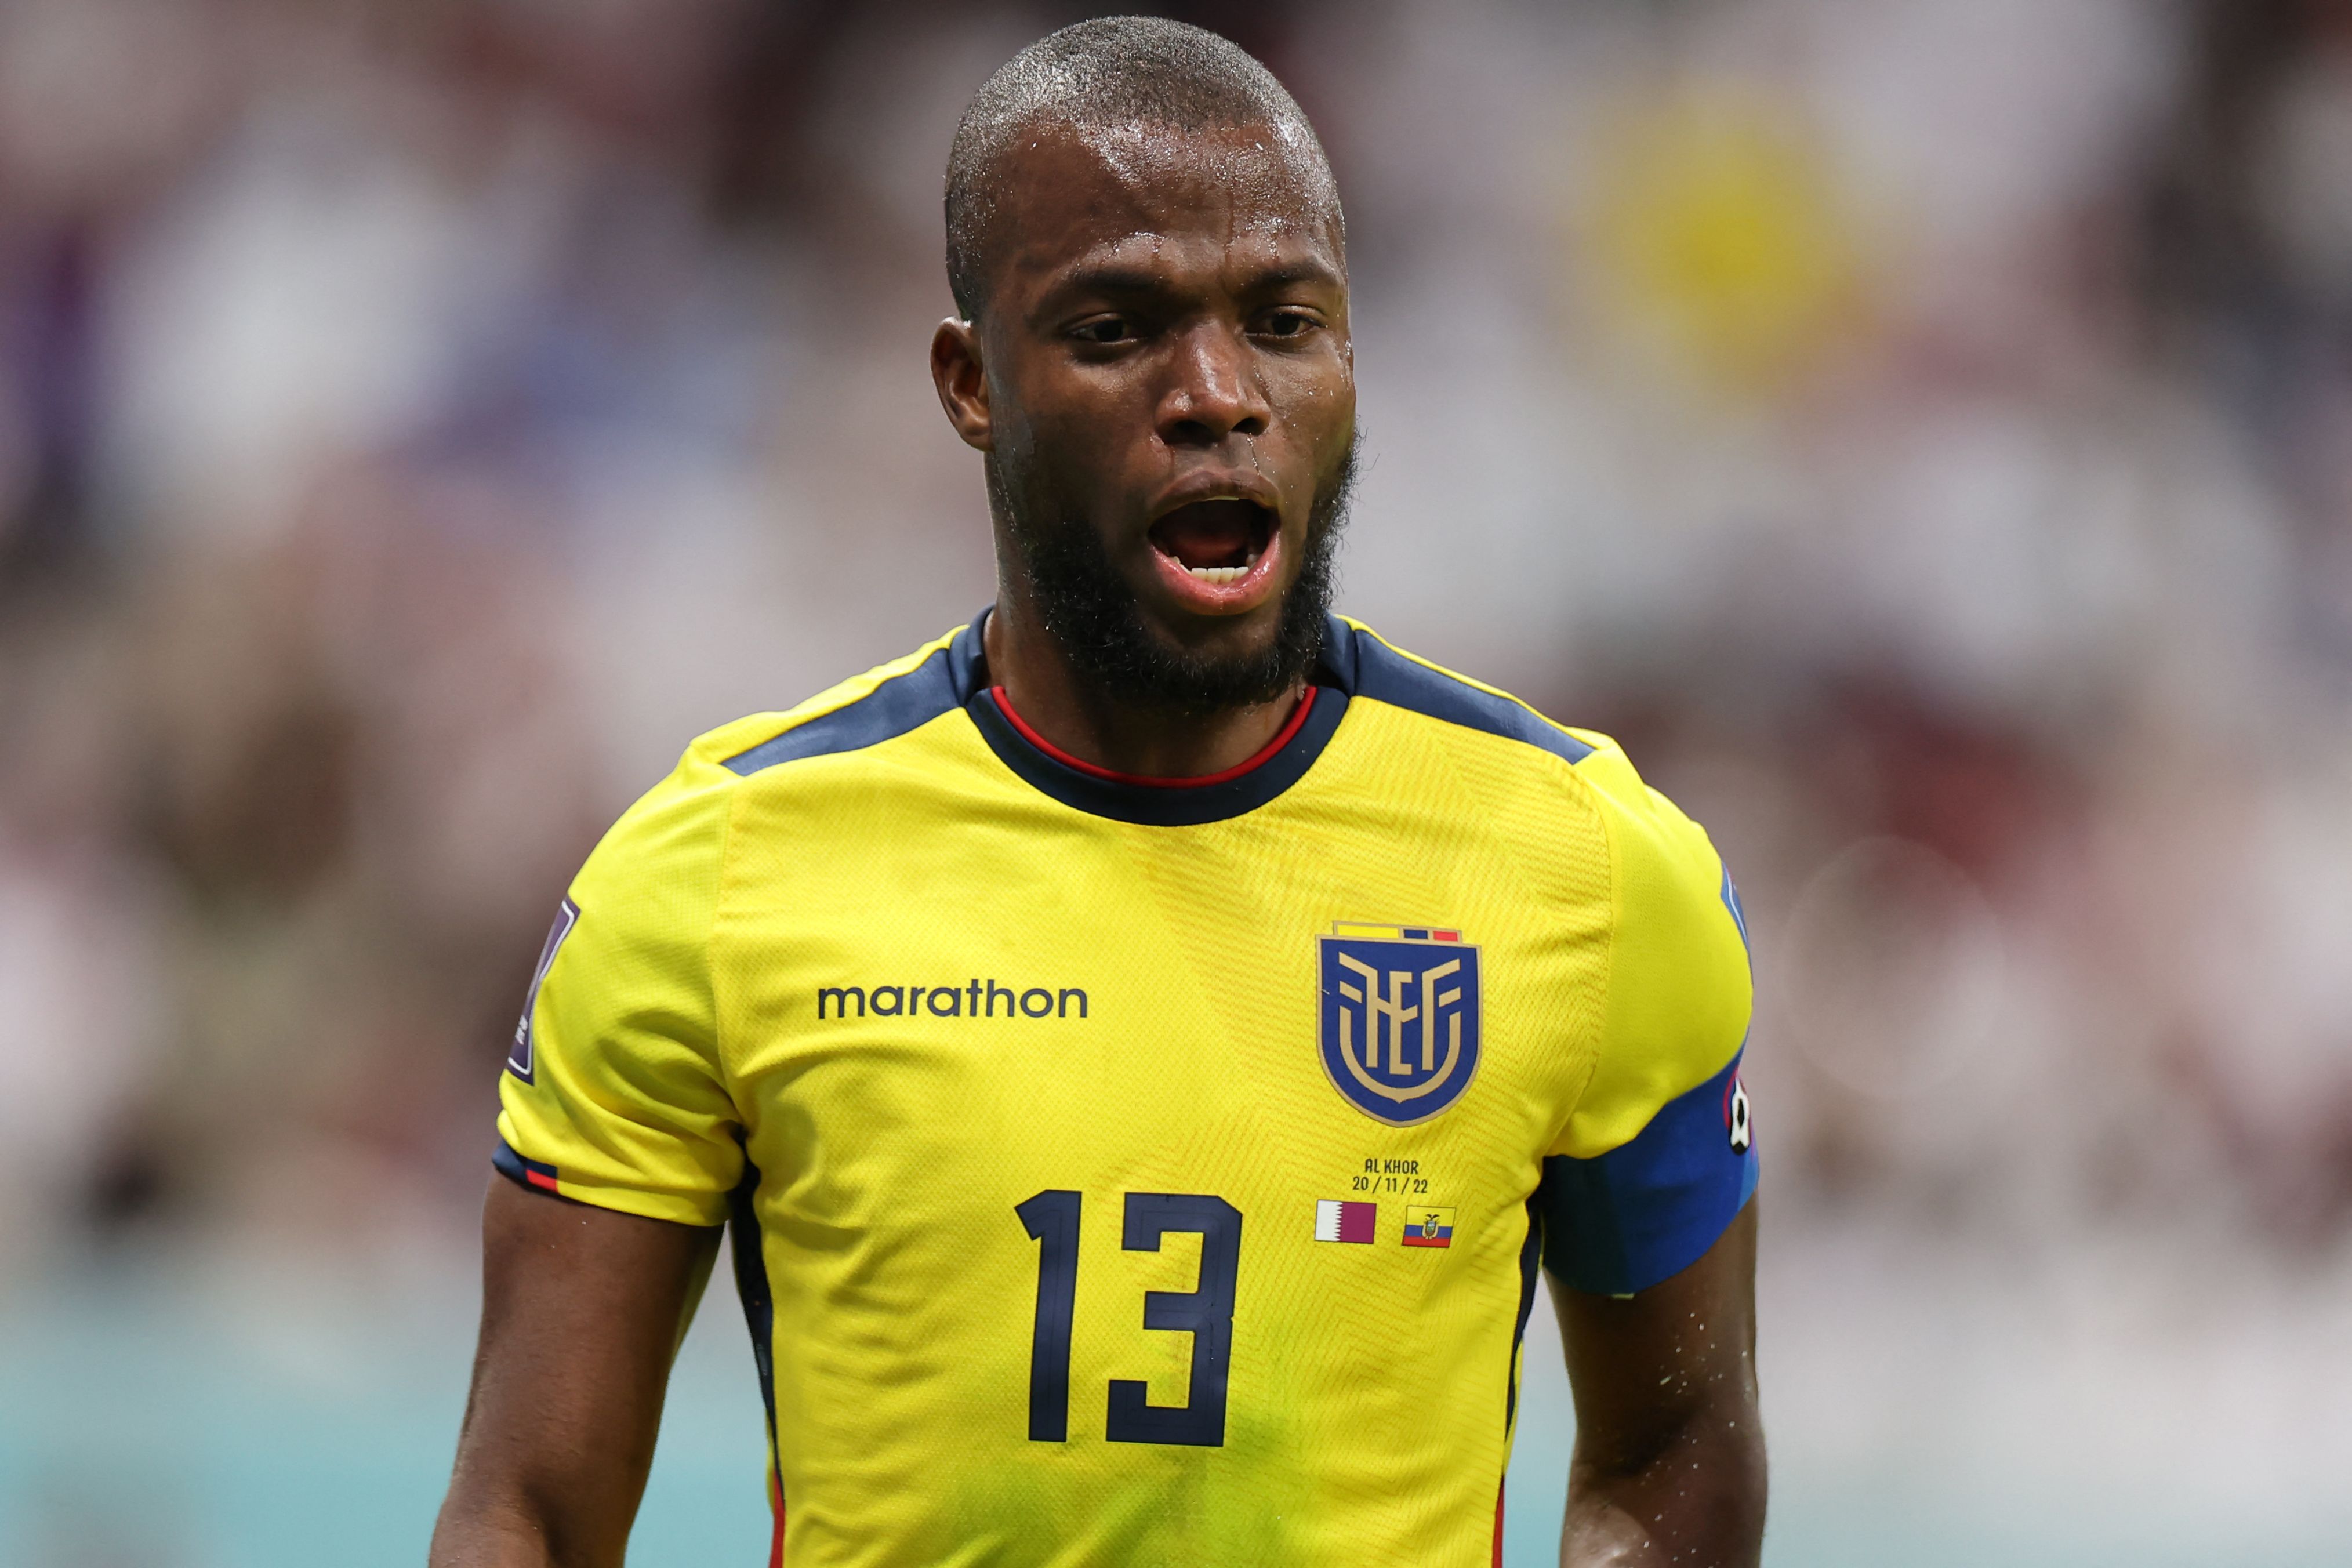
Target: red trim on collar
point(1289, 732)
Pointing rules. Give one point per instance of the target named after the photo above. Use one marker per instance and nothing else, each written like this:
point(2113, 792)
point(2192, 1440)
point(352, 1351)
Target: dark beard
point(1089, 609)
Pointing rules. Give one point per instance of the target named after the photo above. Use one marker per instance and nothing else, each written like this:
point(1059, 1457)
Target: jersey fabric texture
point(1142, 1174)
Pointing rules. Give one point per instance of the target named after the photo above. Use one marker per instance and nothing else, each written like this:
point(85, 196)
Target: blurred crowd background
point(1921, 429)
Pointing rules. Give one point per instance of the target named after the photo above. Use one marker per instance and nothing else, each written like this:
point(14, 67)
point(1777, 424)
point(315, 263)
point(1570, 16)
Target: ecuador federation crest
point(1400, 1019)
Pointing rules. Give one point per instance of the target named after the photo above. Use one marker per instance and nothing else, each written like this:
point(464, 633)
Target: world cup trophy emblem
point(1400, 1019)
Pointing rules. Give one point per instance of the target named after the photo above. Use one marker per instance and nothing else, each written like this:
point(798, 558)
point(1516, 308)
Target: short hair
point(1108, 72)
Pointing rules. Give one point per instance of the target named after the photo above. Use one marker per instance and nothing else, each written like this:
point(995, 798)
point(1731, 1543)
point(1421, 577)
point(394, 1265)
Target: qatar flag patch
point(1336, 1220)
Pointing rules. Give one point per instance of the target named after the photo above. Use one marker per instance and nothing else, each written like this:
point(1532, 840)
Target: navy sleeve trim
point(1644, 1212)
point(539, 1176)
point(1378, 672)
point(900, 705)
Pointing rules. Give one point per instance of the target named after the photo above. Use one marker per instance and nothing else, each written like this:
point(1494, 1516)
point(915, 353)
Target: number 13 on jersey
point(1205, 1313)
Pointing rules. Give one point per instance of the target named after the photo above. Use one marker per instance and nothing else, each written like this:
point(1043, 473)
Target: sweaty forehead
point(1063, 192)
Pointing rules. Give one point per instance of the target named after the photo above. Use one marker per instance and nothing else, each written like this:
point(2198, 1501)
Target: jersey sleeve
point(613, 1094)
point(1658, 1156)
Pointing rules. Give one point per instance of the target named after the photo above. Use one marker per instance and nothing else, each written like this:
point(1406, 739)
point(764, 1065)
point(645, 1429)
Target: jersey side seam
point(720, 1033)
point(1608, 975)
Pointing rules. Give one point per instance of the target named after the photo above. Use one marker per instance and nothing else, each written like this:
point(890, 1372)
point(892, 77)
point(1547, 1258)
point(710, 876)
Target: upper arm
point(615, 1100)
point(582, 1311)
point(1649, 1230)
point(1669, 1464)
point(1643, 1367)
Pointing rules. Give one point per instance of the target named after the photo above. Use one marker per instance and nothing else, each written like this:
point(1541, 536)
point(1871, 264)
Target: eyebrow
point(1306, 271)
point(1117, 277)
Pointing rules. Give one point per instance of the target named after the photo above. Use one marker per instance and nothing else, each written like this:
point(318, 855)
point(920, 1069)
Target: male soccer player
point(1146, 1042)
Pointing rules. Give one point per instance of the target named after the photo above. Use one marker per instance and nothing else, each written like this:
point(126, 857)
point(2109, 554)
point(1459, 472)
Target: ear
point(963, 381)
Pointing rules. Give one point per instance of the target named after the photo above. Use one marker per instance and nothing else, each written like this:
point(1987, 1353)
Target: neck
point(1078, 716)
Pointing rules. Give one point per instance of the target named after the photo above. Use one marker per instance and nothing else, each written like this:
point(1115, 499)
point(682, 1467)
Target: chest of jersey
point(1127, 1169)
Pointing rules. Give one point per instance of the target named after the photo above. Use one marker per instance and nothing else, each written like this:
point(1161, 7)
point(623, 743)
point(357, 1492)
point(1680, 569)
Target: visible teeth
point(1223, 573)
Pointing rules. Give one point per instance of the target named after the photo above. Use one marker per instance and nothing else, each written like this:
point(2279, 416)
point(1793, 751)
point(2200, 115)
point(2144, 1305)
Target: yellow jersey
point(1128, 1172)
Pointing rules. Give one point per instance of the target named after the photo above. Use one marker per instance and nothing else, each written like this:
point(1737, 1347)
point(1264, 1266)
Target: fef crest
point(1400, 1019)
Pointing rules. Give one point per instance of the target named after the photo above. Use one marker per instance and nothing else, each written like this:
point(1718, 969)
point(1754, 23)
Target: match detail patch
point(1336, 1220)
point(520, 1056)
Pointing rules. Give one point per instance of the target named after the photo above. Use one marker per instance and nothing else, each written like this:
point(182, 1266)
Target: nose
point(1212, 390)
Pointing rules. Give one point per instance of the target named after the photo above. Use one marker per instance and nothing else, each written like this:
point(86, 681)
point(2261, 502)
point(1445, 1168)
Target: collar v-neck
point(1158, 803)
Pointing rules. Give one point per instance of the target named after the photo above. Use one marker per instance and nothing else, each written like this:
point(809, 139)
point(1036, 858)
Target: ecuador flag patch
point(1426, 1227)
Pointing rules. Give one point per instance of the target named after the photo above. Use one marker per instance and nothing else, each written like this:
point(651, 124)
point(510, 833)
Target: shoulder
point(1649, 1165)
point(1591, 765)
point(1374, 670)
point(885, 702)
point(678, 827)
point(1671, 898)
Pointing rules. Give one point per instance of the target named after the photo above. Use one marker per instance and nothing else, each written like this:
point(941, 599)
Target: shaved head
point(1151, 352)
point(1118, 84)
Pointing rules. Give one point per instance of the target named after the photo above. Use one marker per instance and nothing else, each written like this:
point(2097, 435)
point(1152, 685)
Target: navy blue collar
point(1148, 805)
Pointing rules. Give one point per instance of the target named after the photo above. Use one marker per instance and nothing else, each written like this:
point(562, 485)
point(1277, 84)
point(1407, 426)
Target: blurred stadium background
point(1921, 428)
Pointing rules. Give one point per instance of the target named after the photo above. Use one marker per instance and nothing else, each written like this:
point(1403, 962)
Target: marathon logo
point(972, 999)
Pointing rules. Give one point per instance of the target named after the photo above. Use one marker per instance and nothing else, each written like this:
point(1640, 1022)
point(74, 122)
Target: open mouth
point(1215, 541)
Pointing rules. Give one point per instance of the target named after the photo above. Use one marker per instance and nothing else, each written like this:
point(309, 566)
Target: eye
point(1288, 323)
point(1104, 330)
